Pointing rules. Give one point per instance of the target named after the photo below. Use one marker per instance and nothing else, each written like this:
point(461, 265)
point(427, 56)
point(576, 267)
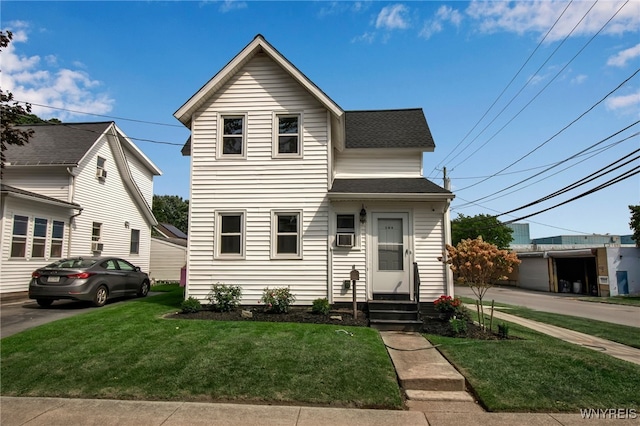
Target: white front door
point(391, 253)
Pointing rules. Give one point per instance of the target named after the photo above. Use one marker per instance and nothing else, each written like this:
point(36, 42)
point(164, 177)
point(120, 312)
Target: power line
point(589, 178)
point(539, 93)
point(507, 86)
point(611, 182)
point(100, 115)
point(597, 152)
point(565, 160)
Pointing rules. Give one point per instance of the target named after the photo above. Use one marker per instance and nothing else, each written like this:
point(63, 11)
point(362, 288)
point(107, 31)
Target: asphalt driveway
point(19, 314)
point(559, 303)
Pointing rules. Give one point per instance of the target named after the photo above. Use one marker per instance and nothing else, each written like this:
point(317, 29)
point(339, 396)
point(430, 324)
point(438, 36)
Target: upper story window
point(232, 136)
point(19, 240)
point(287, 140)
point(101, 172)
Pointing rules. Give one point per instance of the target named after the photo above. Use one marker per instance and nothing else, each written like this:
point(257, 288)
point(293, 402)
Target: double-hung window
point(39, 241)
point(287, 138)
point(134, 247)
point(57, 235)
point(232, 136)
point(346, 230)
point(231, 231)
point(19, 239)
point(286, 231)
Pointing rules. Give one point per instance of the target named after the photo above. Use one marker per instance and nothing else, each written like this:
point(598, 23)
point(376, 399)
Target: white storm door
point(391, 253)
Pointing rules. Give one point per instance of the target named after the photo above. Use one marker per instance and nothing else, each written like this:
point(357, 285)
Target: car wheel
point(44, 302)
point(100, 298)
point(144, 289)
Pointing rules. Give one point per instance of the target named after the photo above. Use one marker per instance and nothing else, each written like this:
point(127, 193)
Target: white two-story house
point(76, 189)
point(288, 189)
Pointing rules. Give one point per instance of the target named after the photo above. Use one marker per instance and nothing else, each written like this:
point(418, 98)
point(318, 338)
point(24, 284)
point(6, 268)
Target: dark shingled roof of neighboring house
point(387, 186)
point(400, 128)
point(55, 144)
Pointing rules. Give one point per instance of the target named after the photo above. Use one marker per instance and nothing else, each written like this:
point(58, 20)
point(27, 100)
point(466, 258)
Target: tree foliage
point(479, 265)
point(488, 227)
point(634, 223)
point(11, 112)
point(172, 209)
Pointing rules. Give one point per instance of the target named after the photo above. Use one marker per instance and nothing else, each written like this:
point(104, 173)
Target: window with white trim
point(19, 239)
point(231, 231)
point(286, 235)
point(57, 236)
point(134, 247)
point(346, 230)
point(232, 136)
point(287, 138)
point(39, 240)
point(101, 172)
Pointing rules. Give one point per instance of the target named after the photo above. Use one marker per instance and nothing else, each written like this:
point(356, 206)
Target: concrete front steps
point(423, 373)
point(394, 315)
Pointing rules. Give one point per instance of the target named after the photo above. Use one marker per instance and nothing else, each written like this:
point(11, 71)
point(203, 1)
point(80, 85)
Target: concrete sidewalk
point(64, 412)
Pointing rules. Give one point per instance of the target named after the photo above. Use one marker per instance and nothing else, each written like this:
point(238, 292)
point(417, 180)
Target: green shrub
point(458, 325)
point(190, 305)
point(503, 330)
point(224, 298)
point(321, 306)
point(277, 300)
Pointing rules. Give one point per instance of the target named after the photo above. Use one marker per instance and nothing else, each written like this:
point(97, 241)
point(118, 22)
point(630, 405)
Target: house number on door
point(389, 227)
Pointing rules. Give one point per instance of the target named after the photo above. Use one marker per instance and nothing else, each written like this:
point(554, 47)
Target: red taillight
point(81, 275)
point(35, 275)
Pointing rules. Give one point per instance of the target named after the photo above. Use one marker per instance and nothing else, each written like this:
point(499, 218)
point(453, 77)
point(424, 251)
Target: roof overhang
point(347, 196)
point(13, 192)
point(257, 45)
point(571, 253)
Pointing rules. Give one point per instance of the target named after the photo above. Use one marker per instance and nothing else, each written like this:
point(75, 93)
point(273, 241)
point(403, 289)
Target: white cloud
point(522, 17)
point(621, 58)
point(365, 38)
point(339, 7)
point(229, 5)
point(37, 81)
point(393, 17)
point(624, 102)
point(579, 79)
point(443, 15)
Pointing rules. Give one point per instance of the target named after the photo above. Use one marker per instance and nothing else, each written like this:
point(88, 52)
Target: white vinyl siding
point(50, 181)
point(258, 185)
point(16, 271)
point(110, 203)
point(167, 259)
point(370, 162)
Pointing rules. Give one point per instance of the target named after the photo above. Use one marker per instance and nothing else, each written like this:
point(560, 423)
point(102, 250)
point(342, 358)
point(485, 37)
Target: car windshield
point(72, 263)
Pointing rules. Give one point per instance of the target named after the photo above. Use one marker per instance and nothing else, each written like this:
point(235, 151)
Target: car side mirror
point(138, 269)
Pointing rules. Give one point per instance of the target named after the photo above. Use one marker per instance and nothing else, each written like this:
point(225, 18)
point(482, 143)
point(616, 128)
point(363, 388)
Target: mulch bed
point(441, 327)
point(295, 314)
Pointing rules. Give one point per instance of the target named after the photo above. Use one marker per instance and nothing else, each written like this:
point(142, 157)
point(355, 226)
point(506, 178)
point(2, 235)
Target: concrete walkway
point(617, 350)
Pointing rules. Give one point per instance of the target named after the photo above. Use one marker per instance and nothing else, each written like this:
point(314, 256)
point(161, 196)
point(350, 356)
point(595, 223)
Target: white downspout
point(73, 172)
point(447, 235)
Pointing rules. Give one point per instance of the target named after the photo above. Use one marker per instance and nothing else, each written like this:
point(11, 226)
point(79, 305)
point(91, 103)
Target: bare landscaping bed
point(295, 314)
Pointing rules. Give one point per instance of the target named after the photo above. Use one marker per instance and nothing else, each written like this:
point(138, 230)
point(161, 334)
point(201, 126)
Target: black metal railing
point(416, 284)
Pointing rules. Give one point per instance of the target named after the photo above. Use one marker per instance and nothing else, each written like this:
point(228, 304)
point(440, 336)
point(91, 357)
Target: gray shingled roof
point(6, 189)
point(56, 144)
point(387, 186)
point(400, 128)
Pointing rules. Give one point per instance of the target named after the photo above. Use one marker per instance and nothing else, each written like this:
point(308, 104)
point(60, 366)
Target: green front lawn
point(128, 351)
point(539, 373)
point(615, 300)
point(624, 334)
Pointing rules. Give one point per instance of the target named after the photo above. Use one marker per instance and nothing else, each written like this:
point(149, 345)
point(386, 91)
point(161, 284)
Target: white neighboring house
point(76, 189)
point(288, 189)
point(168, 253)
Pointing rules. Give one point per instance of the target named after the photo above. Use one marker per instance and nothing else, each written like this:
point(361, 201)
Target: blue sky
point(503, 84)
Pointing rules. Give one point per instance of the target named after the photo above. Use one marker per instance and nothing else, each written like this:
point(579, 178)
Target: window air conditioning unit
point(345, 240)
point(95, 246)
point(101, 173)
